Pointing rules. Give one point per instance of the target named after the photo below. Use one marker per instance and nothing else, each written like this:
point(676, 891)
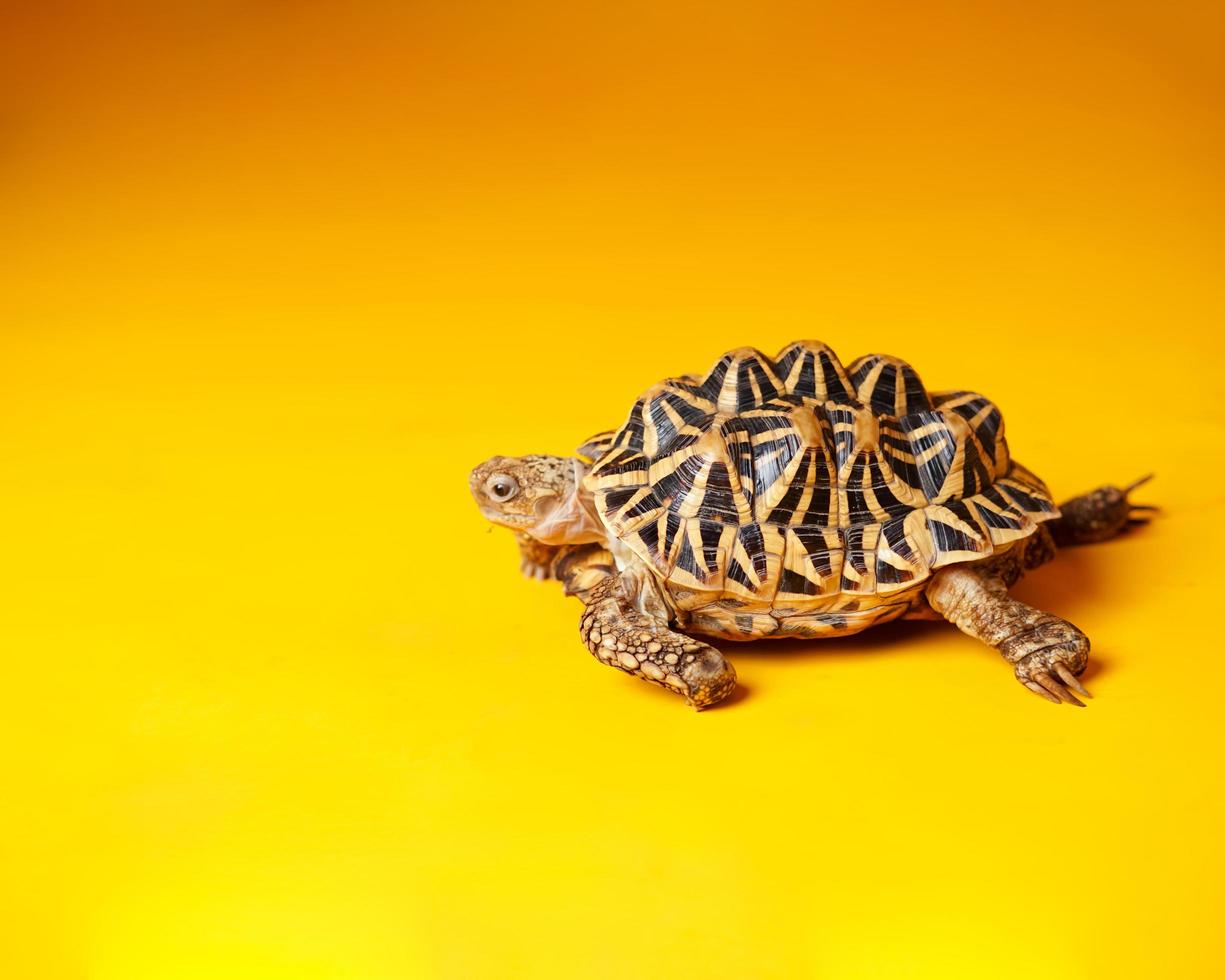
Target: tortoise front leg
point(625, 626)
point(1046, 652)
point(536, 559)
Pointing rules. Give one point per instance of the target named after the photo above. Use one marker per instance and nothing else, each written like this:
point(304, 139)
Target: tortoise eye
point(501, 487)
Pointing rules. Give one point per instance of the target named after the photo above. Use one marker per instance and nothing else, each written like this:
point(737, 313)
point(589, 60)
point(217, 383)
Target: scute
point(794, 485)
point(742, 379)
point(888, 385)
point(812, 370)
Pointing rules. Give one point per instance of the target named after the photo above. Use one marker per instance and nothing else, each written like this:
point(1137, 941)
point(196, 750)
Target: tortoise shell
point(795, 496)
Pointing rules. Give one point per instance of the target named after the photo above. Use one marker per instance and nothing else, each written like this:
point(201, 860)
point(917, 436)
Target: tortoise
point(796, 497)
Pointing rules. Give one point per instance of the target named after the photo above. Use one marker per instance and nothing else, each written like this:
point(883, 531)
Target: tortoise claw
point(1058, 691)
point(1137, 483)
point(1070, 680)
point(1041, 691)
point(1138, 513)
point(1141, 513)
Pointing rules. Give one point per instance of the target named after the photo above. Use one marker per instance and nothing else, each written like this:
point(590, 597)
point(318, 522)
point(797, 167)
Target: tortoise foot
point(1052, 656)
point(1100, 515)
point(709, 678)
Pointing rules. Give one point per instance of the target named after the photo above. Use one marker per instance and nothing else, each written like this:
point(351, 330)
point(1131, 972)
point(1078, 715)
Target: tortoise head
point(539, 495)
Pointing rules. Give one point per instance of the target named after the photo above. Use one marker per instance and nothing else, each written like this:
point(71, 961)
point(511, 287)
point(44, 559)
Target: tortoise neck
point(573, 520)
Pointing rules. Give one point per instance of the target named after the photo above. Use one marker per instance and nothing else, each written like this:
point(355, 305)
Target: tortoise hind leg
point(1046, 652)
point(1099, 515)
point(626, 627)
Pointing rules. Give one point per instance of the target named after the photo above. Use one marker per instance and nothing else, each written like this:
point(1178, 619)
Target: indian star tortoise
point(795, 497)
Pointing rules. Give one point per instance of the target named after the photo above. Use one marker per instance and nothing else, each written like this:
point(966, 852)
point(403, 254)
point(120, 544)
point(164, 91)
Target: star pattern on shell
point(794, 480)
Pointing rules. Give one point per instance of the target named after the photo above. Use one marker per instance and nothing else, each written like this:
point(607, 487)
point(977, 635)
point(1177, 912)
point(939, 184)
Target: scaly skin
point(1098, 516)
point(619, 634)
point(1047, 653)
point(582, 567)
point(616, 630)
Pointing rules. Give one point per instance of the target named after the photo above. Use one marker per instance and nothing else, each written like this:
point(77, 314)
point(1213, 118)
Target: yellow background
point(276, 274)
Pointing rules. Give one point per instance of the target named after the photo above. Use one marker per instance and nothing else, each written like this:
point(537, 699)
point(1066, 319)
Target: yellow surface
point(275, 275)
